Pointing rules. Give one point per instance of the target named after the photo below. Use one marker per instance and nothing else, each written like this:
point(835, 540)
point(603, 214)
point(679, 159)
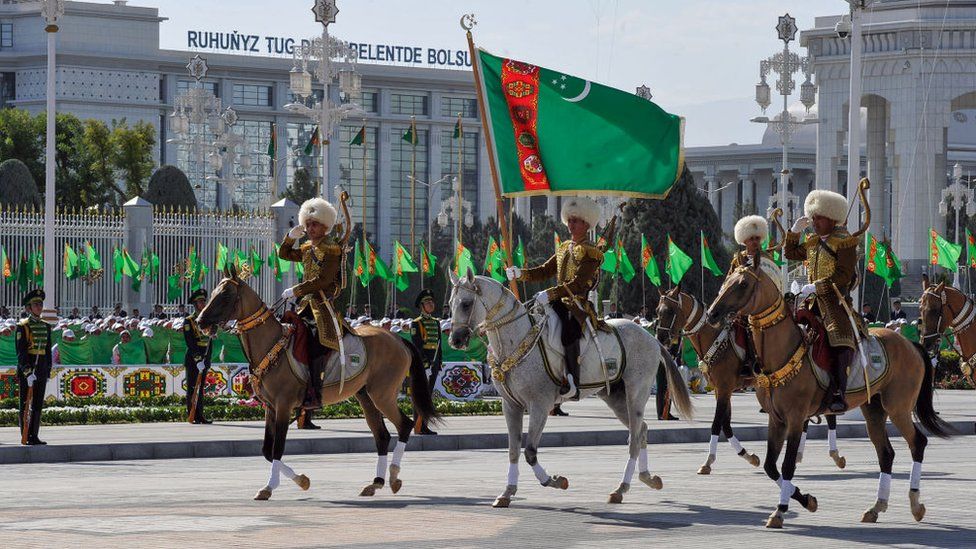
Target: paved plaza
point(446, 497)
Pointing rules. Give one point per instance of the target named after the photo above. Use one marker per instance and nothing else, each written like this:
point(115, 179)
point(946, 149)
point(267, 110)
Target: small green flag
point(314, 141)
point(624, 266)
point(463, 261)
point(276, 264)
point(876, 258)
point(648, 262)
point(708, 261)
point(129, 266)
point(94, 260)
point(427, 262)
point(359, 269)
point(518, 258)
point(6, 271)
point(360, 137)
point(221, 263)
point(174, 288)
point(273, 144)
point(555, 241)
point(494, 263)
point(23, 274)
point(457, 128)
point(943, 252)
point(256, 262)
point(71, 268)
point(117, 264)
point(895, 270)
point(678, 262)
point(402, 265)
point(37, 264)
point(971, 248)
point(300, 270)
point(411, 134)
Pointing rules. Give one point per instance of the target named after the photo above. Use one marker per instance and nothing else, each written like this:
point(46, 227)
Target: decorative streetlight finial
point(197, 67)
point(468, 21)
point(325, 11)
point(644, 92)
point(52, 10)
point(786, 28)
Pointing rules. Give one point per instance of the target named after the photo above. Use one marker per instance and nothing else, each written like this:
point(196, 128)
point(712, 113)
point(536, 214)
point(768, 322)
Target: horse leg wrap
point(803, 443)
point(540, 473)
point(884, 486)
point(785, 492)
point(513, 474)
point(286, 470)
point(736, 445)
point(642, 460)
point(916, 478)
point(381, 466)
point(832, 439)
point(274, 479)
point(398, 452)
point(712, 445)
point(629, 472)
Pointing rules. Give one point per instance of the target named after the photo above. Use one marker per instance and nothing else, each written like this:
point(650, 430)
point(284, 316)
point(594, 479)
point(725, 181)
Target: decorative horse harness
point(724, 339)
point(961, 322)
point(252, 321)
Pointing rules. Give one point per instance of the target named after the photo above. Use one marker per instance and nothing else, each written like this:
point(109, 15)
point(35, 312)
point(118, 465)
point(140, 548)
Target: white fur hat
point(318, 209)
point(582, 208)
point(750, 226)
point(826, 203)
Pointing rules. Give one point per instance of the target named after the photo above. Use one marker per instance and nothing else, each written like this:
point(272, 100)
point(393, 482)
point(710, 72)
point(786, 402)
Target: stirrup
point(570, 387)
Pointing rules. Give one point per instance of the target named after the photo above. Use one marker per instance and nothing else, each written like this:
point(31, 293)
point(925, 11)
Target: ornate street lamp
point(957, 196)
point(52, 10)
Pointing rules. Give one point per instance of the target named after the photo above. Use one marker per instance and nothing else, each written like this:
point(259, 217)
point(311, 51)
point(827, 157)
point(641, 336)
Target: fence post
point(137, 235)
point(285, 217)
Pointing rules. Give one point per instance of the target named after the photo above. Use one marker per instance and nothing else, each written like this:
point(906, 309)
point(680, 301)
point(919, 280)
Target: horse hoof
point(263, 495)
point(918, 512)
point(615, 497)
point(653, 481)
point(560, 482)
point(811, 504)
point(799, 458)
point(705, 470)
point(395, 485)
point(368, 490)
point(302, 482)
point(502, 502)
point(839, 460)
point(870, 516)
point(753, 460)
point(775, 521)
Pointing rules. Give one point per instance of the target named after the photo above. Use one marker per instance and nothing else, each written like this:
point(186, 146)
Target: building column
point(384, 190)
point(747, 190)
point(138, 231)
point(710, 185)
point(829, 131)
point(877, 164)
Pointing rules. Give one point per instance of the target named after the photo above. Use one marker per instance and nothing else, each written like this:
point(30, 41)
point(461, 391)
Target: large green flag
point(876, 258)
point(648, 263)
point(463, 261)
point(494, 261)
point(402, 265)
point(117, 264)
point(547, 127)
point(943, 252)
point(708, 261)
point(70, 262)
point(895, 270)
point(678, 262)
point(518, 258)
point(221, 262)
point(428, 262)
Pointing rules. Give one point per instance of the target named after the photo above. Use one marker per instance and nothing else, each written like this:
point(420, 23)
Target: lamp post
point(957, 196)
point(430, 195)
point(455, 212)
point(785, 64)
point(316, 57)
point(51, 10)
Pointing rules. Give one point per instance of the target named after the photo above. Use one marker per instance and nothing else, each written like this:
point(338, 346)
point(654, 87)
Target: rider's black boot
point(573, 369)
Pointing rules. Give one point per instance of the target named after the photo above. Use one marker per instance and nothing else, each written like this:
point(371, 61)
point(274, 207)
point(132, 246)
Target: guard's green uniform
point(33, 357)
point(198, 350)
point(425, 332)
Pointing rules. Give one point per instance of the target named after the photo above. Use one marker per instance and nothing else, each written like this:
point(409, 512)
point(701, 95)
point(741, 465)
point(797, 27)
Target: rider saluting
point(750, 231)
point(576, 267)
point(831, 256)
point(321, 256)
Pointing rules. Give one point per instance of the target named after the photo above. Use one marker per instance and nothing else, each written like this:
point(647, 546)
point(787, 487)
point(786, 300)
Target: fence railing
point(168, 233)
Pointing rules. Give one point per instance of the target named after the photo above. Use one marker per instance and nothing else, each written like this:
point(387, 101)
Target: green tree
point(17, 187)
point(301, 189)
point(22, 138)
point(169, 186)
point(132, 155)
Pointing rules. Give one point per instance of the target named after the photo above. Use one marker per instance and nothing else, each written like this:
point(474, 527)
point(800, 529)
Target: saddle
point(334, 372)
point(591, 370)
point(815, 335)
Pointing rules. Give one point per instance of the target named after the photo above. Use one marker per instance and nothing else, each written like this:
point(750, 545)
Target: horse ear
point(925, 281)
point(452, 276)
point(469, 276)
point(231, 270)
point(940, 287)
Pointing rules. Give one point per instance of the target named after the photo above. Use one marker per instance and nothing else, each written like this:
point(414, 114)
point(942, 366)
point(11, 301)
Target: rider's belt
point(38, 352)
point(784, 374)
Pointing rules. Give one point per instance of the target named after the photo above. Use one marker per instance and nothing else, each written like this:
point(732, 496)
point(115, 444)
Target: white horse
point(520, 375)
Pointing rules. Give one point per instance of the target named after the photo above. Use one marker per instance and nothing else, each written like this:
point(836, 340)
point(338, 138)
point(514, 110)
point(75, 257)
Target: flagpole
point(467, 23)
point(460, 178)
point(413, 185)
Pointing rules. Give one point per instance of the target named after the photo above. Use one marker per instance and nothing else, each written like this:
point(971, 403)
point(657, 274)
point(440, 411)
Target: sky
point(700, 58)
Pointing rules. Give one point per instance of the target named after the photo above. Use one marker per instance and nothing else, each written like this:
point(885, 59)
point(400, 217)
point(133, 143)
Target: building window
point(6, 35)
point(298, 138)
point(8, 88)
point(401, 103)
point(183, 87)
point(403, 156)
point(255, 193)
point(252, 95)
point(368, 100)
point(467, 147)
point(162, 88)
point(451, 106)
point(351, 174)
point(316, 97)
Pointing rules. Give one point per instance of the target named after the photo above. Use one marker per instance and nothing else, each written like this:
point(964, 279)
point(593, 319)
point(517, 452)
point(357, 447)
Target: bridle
point(697, 325)
point(254, 320)
point(490, 323)
point(960, 323)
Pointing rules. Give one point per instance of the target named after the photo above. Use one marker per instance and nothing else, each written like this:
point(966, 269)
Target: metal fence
point(168, 233)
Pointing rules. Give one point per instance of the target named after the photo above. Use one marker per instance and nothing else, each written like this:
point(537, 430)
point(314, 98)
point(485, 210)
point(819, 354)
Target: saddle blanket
point(877, 367)
point(355, 352)
point(591, 371)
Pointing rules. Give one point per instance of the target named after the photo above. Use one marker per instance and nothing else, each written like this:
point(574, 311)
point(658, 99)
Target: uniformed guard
point(197, 360)
point(33, 365)
point(576, 267)
point(831, 256)
point(321, 255)
point(425, 332)
point(750, 231)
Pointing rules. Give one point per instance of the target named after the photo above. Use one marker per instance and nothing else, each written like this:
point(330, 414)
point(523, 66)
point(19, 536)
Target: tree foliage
point(301, 189)
point(169, 186)
point(17, 187)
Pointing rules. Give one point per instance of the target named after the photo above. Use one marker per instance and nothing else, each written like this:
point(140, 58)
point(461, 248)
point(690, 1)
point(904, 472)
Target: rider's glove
point(800, 224)
point(31, 379)
point(200, 366)
point(806, 290)
point(296, 232)
point(513, 273)
point(288, 293)
point(542, 297)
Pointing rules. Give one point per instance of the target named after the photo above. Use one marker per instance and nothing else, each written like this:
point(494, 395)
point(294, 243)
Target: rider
point(576, 266)
point(750, 231)
point(321, 255)
point(831, 257)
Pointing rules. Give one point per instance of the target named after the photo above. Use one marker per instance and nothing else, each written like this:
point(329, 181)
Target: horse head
point(469, 296)
point(933, 320)
point(747, 290)
point(672, 316)
point(226, 301)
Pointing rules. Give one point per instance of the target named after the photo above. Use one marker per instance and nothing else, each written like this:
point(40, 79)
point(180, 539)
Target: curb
point(365, 444)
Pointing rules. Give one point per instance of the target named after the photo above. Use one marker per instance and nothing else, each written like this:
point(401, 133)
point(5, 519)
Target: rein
point(960, 323)
point(255, 320)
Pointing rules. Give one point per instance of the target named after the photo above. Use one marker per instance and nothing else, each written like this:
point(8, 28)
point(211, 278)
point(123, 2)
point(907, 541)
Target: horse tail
point(676, 384)
point(423, 402)
point(924, 411)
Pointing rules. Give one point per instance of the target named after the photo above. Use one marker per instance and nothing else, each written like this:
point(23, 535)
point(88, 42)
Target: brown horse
point(389, 360)
point(792, 394)
point(946, 308)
